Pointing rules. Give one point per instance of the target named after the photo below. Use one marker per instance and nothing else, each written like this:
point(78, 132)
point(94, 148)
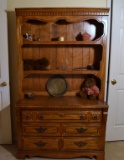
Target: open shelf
point(40, 37)
point(65, 102)
point(35, 31)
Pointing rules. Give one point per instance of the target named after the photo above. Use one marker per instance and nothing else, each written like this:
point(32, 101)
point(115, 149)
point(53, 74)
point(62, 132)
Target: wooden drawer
point(95, 116)
point(86, 143)
point(84, 116)
point(51, 129)
point(80, 129)
point(28, 116)
point(60, 144)
point(35, 143)
point(62, 116)
point(61, 129)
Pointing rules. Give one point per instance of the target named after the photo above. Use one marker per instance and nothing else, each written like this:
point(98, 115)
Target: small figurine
point(41, 64)
point(89, 89)
point(28, 64)
point(28, 36)
point(86, 36)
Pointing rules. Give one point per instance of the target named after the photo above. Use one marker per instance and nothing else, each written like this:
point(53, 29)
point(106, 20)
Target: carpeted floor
point(113, 151)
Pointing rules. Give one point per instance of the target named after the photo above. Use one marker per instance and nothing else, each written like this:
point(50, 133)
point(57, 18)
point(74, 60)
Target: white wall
point(12, 4)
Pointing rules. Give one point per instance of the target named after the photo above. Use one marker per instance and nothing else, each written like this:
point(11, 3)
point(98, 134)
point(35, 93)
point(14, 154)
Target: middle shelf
point(64, 72)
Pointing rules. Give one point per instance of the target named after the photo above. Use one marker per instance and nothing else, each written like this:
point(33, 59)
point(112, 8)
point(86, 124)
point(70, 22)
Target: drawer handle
point(83, 117)
point(40, 117)
point(80, 143)
point(81, 130)
point(61, 114)
point(27, 116)
point(40, 129)
point(40, 144)
point(95, 117)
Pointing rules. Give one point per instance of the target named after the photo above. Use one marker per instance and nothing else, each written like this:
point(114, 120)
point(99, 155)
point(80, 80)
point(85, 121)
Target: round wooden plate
point(56, 85)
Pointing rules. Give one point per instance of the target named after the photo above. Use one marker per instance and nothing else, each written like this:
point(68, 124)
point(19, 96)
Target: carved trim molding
point(58, 109)
point(61, 12)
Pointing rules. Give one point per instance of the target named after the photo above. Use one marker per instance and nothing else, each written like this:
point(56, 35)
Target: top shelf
point(96, 42)
point(37, 31)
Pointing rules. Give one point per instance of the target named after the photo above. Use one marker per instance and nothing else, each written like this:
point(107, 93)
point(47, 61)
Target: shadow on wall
point(12, 66)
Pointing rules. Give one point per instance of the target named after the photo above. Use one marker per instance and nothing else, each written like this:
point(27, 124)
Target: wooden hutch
point(51, 121)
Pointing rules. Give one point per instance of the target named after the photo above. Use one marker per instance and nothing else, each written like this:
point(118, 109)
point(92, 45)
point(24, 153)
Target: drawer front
point(85, 143)
point(28, 116)
point(51, 129)
point(60, 144)
point(62, 116)
point(38, 116)
point(80, 129)
point(95, 116)
point(35, 143)
point(84, 116)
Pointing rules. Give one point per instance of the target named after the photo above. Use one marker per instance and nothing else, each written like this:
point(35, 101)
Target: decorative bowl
point(56, 85)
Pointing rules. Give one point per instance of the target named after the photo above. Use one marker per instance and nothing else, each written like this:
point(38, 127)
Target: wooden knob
point(61, 114)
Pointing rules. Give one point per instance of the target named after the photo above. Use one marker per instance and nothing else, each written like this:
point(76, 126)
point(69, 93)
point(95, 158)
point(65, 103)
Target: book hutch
point(53, 62)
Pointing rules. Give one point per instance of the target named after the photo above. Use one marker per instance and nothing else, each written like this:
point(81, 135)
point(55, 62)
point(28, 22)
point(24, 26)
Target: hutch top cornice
point(62, 11)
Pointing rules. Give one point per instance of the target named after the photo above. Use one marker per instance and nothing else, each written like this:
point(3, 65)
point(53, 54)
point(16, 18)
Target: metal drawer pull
point(27, 116)
point(83, 117)
point(95, 117)
point(40, 117)
point(80, 143)
point(40, 144)
point(40, 129)
point(81, 130)
point(61, 114)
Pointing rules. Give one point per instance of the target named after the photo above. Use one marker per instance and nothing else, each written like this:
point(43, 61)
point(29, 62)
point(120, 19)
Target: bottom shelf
point(61, 102)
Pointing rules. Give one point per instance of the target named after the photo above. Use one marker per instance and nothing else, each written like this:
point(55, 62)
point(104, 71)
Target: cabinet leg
point(21, 156)
point(100, 157)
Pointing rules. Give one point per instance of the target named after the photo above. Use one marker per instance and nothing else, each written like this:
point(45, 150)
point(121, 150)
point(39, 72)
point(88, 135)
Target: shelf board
point(64, 102)
point(96, 42)
point(46, 72)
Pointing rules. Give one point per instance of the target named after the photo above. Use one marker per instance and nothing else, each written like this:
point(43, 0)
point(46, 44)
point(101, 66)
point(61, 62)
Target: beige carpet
point(57, 159)
point(113, 151)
